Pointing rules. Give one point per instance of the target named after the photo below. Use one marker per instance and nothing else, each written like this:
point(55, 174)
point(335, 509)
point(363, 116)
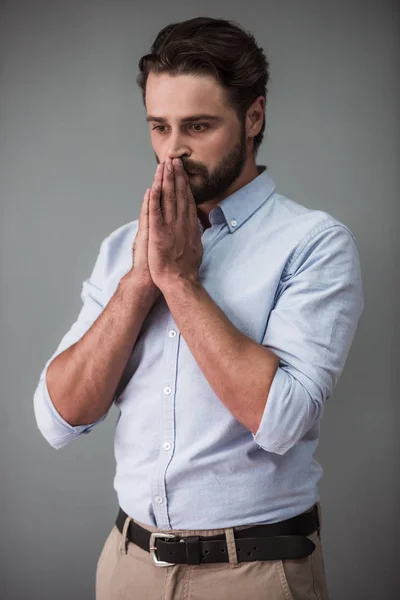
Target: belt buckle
point(153, 548)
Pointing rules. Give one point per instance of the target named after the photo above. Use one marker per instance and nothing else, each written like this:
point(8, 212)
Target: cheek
point(160, 153)
point(217, 146)
point(157, 147)
point(229, 137)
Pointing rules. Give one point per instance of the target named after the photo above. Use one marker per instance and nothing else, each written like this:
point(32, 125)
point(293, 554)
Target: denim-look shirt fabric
point(287, 277)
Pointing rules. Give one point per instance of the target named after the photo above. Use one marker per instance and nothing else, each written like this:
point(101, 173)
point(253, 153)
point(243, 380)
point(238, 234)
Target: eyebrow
point(202, 117)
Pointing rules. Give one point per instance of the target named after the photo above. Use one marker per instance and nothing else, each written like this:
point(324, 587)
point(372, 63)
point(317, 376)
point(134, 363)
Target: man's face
point(212, 148)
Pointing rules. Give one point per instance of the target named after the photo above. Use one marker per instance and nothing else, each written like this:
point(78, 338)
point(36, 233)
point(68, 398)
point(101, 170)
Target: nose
point(177, 147)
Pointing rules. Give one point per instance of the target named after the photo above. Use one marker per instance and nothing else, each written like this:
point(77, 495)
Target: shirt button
point(172, 333)
point(167, 390)
point(167, 446)
point(159, 500)
point(233, 223)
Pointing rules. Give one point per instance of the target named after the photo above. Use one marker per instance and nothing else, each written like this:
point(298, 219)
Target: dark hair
point(211, 46)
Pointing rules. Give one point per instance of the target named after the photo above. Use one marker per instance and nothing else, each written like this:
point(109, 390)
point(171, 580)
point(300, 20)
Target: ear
point(255, 117)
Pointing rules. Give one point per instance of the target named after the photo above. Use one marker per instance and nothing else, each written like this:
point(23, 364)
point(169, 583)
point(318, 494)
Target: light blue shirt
point(287, 277)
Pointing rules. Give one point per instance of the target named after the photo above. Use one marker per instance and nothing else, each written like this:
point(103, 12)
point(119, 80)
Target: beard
point(207, 185)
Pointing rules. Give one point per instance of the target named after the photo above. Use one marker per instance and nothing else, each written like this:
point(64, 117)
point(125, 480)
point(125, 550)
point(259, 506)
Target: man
point(220, 340)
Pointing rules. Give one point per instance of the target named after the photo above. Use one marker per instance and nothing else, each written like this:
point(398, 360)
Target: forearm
point(239, 370)
point(83, 379)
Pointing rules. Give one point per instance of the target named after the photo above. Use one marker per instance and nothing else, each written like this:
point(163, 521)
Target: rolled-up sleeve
point(311, 329)
point(50, 423)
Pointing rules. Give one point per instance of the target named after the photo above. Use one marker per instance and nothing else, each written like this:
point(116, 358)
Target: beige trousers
point(127, 572)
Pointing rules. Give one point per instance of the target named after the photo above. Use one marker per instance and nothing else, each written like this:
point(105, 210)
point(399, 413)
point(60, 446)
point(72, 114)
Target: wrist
point(139, 287)
point(180, 283)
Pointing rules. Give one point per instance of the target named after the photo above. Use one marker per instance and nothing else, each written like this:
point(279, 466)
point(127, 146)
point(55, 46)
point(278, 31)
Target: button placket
point(167, 431)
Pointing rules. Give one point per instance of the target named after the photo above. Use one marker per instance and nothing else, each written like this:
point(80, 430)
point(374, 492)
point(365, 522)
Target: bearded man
point(218, 324)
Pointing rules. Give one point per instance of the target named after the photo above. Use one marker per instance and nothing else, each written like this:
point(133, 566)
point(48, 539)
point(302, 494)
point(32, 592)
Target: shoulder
point(305, 226)
point(309, 221)
point(117, 240)
point(115, 255)
point(303, 236)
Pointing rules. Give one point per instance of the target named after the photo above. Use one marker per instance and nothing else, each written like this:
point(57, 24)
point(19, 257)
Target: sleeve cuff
point(53, 427)
point(285, 416)
point(77, 429)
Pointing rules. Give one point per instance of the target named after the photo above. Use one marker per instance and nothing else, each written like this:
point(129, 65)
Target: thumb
point(144, 212)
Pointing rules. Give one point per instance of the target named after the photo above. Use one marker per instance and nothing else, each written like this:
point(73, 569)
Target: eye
point(205, 125)
point(199, 127)
point(159, 127)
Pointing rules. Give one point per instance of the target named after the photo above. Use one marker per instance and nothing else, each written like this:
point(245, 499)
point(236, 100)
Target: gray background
point(75, 160)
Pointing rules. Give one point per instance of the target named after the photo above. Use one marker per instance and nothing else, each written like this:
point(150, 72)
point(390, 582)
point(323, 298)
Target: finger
point(190, 203)
point(155, 210)
point(168, 199)
point(180, 190)
point(144, 211)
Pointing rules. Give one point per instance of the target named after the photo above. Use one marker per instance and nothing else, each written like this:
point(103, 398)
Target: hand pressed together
point(168, 243)
point(175, 248)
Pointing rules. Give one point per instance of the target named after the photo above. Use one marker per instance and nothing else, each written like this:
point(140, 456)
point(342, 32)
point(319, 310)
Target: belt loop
point(231, 546)
point(319, 519)
point(124, 541)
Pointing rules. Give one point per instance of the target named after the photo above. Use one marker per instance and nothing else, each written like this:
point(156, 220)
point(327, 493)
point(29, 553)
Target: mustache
point(192, 169)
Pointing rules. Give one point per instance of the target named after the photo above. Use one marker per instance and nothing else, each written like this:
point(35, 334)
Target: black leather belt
point(272, 541)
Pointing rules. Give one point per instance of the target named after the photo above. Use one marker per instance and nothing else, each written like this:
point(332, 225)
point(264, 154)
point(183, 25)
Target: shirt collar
point(242, 204)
